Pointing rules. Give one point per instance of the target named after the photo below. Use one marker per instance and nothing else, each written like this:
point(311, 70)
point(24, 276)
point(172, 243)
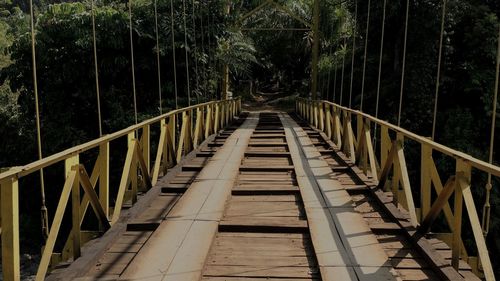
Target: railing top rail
point(22, 171)
point(474, 162)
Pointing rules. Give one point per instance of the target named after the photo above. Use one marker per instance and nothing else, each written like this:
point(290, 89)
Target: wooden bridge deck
point(268, 198)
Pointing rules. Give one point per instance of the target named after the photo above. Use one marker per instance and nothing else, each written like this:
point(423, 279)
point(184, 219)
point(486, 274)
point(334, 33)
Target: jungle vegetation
point(274, 61)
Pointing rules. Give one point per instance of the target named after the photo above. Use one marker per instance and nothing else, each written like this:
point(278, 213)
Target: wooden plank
point(279, 223)
point(266, 198)
point(302, 236)
point(268, 209)
point(261, 271)
point(266, 168)
point(215, 278)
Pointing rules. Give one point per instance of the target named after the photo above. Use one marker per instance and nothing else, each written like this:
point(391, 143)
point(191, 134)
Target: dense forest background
point(268, 60)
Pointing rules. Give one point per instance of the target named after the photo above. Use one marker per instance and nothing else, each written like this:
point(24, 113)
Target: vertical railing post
point(425, 180)
point(208, 121)
point(337, 128)
point(76, 216)
point(321, 116)
point(161, 152)
point(359, 126)
point(131, 138)
point(198, 129)
point(11, 267)
point(316, 113)
point(309, 112)
point(222, 112)
point(231, 106)
point(72, 164)
point(146, 146)
point(303, 108)
point(104, 177)
point(216, 118)
point(328, 121)
point(233, 109)
point(463, 174)
point(385, 143)
point(306, 111)
point(348, 138)
point(228, 111)
point(396, 177)
point(165, 129)
point(171, 140)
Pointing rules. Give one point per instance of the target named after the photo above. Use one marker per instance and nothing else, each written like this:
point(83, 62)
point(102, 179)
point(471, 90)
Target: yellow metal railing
point(196, 123)
point(390, 172)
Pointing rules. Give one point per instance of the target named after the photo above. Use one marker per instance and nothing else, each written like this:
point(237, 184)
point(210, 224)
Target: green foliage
point(238, 52)
point(5, 42)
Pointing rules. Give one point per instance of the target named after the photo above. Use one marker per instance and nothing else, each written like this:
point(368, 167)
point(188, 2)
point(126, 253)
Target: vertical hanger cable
point(43, 209)
point(365, 56)
point(353, 51)
point(438, 75)
point(132, 59)
point(158, 67)
point(186, 51)
point(172, 34)
point(404, 63)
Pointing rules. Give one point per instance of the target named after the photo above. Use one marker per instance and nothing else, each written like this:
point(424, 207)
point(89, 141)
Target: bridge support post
point(10, 230)
point(71, 165)
point(104, 177)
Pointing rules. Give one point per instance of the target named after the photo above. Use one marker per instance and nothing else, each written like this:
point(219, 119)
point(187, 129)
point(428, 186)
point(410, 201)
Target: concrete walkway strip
point(178, 248)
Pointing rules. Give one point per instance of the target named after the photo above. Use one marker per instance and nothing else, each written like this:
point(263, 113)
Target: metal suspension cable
point(211, 62)
point(342, 75)
point(379, 71)
point(172, 31)
point(158, 67)
point(353, 50)
point(438, 75)
point(365, 56)
point(43, 209)
point(328, 84)
point(186, 51)
point(209, 47)
point(380, 60)
point(335, 80)
point(489, 186)
point(404, 62)
point(330, 69)
point(202, 29)
point(195, 50)
point(96, 67)
point(132, 58)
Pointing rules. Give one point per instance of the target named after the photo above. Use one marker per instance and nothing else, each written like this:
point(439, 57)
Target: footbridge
point(209, 191)
point(270, 195)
